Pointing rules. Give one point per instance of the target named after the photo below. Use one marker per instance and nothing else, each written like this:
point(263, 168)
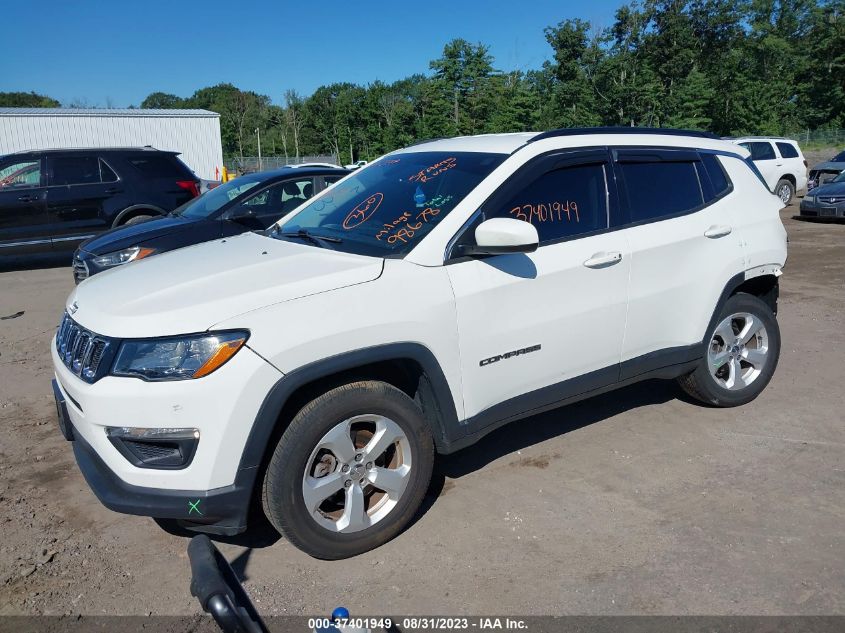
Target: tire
point(785, 190)
point(740, 370)
point(318, 449)
point(137, 219)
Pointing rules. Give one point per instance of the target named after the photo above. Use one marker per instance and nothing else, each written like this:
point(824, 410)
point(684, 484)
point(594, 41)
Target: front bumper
point(821, 211)
point(219, 511)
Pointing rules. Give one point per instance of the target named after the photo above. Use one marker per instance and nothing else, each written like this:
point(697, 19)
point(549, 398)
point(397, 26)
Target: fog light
point(167, 449)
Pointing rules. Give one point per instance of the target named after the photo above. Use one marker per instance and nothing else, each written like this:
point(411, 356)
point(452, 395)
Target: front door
point(23, 229)
point(536, 328)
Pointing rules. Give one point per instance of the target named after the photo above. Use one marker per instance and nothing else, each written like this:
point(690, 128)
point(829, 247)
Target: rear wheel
point(741, 355)
point(350, 471)
point(785, 190)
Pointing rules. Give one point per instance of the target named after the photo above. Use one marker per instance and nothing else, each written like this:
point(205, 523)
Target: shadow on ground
point(503, 441)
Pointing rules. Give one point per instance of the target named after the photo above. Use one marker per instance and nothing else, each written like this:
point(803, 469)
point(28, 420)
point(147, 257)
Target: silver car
point(824, 173)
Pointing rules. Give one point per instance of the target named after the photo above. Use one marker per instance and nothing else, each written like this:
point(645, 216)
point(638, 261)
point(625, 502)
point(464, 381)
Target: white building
point(195, 134)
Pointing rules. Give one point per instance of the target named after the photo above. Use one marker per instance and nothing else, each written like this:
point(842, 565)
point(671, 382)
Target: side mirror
point(499, 236)
point(241, 212)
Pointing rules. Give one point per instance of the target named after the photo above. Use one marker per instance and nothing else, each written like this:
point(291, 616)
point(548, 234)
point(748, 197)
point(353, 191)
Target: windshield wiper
point(311, 237)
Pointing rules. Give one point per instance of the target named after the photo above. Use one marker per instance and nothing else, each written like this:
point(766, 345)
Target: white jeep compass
point(314, 370)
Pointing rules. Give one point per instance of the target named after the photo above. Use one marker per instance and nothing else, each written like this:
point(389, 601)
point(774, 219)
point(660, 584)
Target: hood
point(135, 234)
point(191, 289)
point(830, 189)
point(829, 166)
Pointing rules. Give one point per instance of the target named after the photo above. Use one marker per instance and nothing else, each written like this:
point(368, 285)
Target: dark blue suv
point(51, 200)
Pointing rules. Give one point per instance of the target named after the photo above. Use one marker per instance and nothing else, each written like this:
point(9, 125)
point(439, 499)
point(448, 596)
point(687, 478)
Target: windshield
point(210, 202)
point(839, 158)
point(839, 178)
point(386, 209)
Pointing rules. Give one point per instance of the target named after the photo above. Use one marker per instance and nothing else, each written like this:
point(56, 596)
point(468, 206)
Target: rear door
point(685, 246)
point(793, 162)
point(78, 185)
point(23, 220)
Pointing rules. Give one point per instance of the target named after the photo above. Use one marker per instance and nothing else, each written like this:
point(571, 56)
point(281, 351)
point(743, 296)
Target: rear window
point(716, 173)
point(158, 165)
point(839, 158)
point(760, 150)
point(787, 150)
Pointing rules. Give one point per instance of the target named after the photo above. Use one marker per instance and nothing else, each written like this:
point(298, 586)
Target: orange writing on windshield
point(547, 212)
point(363, 211)
point(424, 175)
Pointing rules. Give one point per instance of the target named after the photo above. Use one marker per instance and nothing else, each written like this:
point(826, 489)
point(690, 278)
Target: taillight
point(189, 185)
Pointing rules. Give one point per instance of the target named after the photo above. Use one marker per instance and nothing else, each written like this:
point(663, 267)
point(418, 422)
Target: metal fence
point(251, 164)
point(819, 138)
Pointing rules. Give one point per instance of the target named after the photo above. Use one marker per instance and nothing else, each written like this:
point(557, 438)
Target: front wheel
point(350, 471)
point(741, 356)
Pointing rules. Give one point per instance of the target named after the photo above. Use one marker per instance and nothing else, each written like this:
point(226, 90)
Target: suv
point(51, 200)
point(781, 163)
point(409, 309)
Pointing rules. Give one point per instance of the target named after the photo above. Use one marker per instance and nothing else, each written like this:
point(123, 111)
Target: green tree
point(27, 100)
point(163, 100)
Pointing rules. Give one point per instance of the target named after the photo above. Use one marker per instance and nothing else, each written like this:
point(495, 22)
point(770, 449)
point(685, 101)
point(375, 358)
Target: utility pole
point(260, 162)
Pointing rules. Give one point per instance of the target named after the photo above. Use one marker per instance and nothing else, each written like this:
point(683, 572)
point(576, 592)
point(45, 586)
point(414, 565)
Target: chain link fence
point(252, 164)
point(819, 138)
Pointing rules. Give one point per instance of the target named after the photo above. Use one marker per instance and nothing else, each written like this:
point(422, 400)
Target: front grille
point(81, 350)
point(831, 200)
point(80, 268)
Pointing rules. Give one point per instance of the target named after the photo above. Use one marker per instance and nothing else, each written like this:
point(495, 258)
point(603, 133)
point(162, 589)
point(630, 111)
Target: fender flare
point(135, 207)
point(445, 425)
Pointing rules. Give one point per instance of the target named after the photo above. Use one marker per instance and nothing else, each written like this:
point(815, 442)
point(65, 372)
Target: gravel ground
point(636, 502)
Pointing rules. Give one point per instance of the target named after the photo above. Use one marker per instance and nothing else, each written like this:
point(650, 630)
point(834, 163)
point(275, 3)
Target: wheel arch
point(137, 209)
point(764, 286)
point(410, 367)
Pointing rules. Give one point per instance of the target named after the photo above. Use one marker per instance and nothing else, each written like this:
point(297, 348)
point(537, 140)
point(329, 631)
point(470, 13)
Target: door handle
point(717, 231)
point(27, 198)
point(603, 260)
point(114, 190)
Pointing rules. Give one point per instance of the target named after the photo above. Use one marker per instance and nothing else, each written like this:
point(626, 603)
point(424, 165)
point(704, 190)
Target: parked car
point(357, 164)
point(51, 200)
point(781, 163)
point(826, 201)
point(249, 203)
point(410, 309)
point(825, 172)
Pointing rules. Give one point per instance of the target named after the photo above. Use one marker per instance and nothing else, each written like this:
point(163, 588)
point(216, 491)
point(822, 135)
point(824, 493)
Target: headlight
point(123, 257)
point(810, 199)
point(177, 358)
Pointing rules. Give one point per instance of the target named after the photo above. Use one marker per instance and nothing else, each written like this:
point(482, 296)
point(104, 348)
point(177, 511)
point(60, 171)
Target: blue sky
point(120, 51)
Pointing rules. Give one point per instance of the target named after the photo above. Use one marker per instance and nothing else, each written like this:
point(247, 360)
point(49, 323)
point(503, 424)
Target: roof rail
point(578, 131)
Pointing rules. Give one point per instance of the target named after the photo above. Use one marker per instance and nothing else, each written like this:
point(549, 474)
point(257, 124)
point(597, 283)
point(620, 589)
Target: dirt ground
point(636, 502)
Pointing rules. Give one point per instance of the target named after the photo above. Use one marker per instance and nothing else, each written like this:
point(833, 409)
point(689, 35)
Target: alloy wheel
point(357, 473)
point(738, 351)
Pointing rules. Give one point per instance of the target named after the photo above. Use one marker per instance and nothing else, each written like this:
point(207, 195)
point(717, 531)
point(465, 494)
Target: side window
point(787, 150)
point(21, 175)
point(157, 165)
point(562, 203)
point(330, 180)
point(719, 182)
point(73, 170)
point(278, 199)
point(653, 190)
point(107, 173)
point(760, 150)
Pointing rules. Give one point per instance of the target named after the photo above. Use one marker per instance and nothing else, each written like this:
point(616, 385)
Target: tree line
point(726, 66)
